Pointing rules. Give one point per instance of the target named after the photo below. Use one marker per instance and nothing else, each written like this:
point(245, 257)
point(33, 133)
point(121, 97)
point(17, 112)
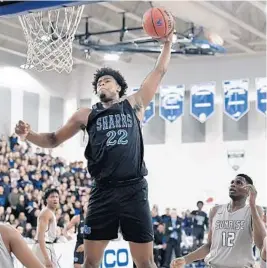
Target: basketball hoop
point(49, 35)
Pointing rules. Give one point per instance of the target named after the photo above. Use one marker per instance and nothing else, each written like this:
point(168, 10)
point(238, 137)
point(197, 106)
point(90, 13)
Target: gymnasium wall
point(189, 156)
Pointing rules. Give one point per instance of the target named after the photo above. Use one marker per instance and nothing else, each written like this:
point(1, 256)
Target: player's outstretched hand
point(251, 190)
point(22, 129)
point(178, 263)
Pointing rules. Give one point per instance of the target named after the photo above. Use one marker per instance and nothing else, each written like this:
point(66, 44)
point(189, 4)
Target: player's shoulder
point(45, 213)
point(82, 114)
point(215, 209)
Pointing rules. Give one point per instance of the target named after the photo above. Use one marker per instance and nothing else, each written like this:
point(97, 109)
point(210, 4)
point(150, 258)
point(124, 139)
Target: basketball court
point(196, 141)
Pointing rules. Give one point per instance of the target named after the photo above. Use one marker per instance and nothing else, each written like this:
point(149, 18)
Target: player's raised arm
point(201, 252)
point(258, 227)
point(141, 99)
point(51, 140)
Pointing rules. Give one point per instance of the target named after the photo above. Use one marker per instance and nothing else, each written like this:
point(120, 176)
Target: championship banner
point(150, 109)
point(236, 103)
point(202, 98)
point(171, 102)
point(261, 87)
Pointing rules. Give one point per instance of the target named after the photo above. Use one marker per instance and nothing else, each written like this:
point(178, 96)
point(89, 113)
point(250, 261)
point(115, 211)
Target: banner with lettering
point(202, 98)
point(261, 88)
point(171, 104)
point(150, 109)
point(236, 103)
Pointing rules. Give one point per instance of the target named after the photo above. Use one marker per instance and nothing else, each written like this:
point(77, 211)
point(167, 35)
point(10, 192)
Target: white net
point(49, 35)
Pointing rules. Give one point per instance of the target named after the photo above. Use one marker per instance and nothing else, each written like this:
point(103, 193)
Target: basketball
point(158, 22)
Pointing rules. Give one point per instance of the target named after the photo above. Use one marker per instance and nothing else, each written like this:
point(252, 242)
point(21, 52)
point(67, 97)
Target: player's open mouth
point(232, 191)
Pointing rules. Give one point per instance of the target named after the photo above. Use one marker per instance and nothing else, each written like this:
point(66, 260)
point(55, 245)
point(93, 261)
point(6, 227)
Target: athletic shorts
point(125, 207)
point(78, 256)
point(198, 233)
point(51, 253)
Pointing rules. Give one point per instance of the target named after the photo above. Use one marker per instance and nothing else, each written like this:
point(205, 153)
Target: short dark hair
point(200, 202)
point(115, 74)
point(246, 177)
point(48, 192)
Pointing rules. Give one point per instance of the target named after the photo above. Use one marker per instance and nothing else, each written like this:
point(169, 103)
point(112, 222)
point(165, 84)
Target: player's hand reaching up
point(22, 129)
point(178, 263)
point(252, 192)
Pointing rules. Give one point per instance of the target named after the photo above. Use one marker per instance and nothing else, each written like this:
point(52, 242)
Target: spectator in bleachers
point(173, 237)
point(156, 219)
point(159, 245)
point(188, 223)
point(165, 217)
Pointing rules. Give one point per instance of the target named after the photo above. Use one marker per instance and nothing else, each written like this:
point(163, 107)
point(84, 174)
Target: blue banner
point(202, 98)
point(150, 109)
point(171, 102)
point(261, 87)
point(236, 103)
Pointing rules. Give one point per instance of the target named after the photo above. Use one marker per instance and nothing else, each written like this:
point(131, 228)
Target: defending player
point(233, 228)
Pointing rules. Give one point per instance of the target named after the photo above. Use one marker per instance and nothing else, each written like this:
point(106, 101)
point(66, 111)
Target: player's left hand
point(168, 38)
point(252, 192)
point(80, 248)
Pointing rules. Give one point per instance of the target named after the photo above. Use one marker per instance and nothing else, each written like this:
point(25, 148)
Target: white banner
point(117, 255)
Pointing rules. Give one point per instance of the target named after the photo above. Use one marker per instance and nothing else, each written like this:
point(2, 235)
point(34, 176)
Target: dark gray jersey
point(232, 239)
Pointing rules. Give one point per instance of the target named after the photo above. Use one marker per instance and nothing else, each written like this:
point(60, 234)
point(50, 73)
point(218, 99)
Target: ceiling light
point(111, 57)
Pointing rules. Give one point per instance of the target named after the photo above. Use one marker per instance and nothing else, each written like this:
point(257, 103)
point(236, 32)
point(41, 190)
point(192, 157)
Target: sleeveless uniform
point(232, 239)
point(50, 239)
point(5, 257)
point(115, 153)
point(78, 256)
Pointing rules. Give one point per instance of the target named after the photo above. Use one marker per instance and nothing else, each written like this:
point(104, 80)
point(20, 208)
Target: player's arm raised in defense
point(141, 99)
point(53, 139)
point(44, 219)
point(19, 247)
point(201, 252)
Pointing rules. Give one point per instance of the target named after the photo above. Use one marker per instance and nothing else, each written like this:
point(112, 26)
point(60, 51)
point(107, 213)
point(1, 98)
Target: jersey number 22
point(117, 137)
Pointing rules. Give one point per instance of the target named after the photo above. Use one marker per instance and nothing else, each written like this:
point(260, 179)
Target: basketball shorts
point(78, 256)
point(124, 207)
point(51, 253)
point(198, 233)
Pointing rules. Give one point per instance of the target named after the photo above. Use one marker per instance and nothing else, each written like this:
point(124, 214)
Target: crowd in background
point(25, 174)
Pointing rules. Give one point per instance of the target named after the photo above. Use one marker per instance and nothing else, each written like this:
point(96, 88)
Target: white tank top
point(5, 258)
point(51, 232)
point(232, 241)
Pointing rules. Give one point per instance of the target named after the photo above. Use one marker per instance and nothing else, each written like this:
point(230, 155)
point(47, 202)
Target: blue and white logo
point(202, 101)
point(87, 230)
point(115, 258)
point(236, 103)
point(261, 87)
point(171, 102)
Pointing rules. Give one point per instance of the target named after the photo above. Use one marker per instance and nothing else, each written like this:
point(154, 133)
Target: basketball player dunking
point(115, 154)
point(78, 222)
point(47, 230)
point(233, 229)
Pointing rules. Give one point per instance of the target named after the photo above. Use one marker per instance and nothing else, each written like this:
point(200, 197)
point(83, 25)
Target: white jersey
point(232, 240)
point(51, 232)
point(5, 258)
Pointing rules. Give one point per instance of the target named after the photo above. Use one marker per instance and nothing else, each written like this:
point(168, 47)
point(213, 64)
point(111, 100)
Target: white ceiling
point(242, 24)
